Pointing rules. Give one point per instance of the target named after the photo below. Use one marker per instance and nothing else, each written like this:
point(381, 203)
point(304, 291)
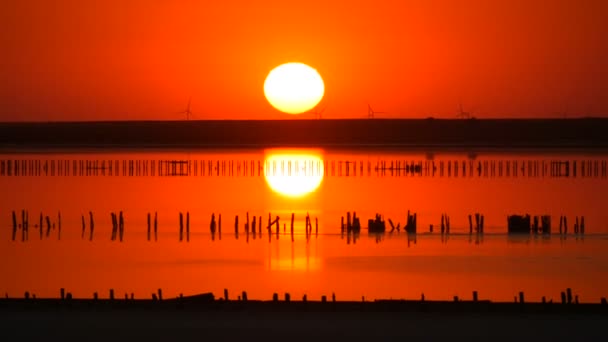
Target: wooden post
point(15, 226)
point(188, 226)
point(83, 226)
point(149, 224)
point(236, 226)
point(91, 226)
point(48, 226)
point(470, 224)
point(155, 226)
point(316, 226)
point(121, 226)
point(219, 226)
point(181, 226)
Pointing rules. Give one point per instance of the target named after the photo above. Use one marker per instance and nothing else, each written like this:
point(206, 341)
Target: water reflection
point(293, 172)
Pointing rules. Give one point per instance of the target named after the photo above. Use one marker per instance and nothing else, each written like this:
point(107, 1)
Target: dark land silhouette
point(202, 316)
point(491, 133)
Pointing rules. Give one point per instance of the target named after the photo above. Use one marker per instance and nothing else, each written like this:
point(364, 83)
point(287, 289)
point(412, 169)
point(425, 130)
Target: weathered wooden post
point(181, 226)
point(316, 226)
point(48, 226)
point(470, 224)
point(91, 226)
point(236, 226)
point(149, 226)
point(187, 226)
point(155, 226)
point(121, 226)
point(291, 227)
point(15, 226)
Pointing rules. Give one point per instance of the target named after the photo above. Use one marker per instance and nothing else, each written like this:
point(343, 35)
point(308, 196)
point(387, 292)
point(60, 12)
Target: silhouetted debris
point(376, 225)
point(519, 224)
point(149, 221)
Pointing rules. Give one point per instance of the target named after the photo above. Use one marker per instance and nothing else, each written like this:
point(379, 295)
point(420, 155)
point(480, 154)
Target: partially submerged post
point(91, 226)
point(155, 226)
point(188, 226)
point(15, 225)
point(181, 226)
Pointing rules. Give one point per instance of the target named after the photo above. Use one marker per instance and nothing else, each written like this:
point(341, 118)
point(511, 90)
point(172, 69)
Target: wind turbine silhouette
point(318, 112)
point(371, 113)
point(462, 114)
point(188, 112)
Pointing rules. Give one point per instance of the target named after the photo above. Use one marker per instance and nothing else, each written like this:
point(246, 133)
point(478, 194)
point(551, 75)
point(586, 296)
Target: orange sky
point(114, 59)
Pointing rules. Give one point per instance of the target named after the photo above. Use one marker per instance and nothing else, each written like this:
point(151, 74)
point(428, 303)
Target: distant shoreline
point(516, 134)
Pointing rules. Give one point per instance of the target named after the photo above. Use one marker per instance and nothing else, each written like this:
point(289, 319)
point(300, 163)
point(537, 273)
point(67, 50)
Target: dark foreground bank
point(425, 133)
point(345, 321)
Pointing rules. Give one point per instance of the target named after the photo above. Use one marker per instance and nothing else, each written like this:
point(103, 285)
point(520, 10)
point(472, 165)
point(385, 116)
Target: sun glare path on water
point(293, 173)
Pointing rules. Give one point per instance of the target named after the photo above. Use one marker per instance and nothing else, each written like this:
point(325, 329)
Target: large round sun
point(294, 88)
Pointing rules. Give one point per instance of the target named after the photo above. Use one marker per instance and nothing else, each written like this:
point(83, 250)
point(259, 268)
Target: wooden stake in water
point(15, 225)
point(155, 226)
point(121, 226)
point(83, 226)
point(40, 224)
point(181, 226)
point(149, 224)
point(188, 226)
point(91, 226)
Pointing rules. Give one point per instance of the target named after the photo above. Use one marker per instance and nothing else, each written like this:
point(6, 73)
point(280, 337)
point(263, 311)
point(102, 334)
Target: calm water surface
point(323, 183)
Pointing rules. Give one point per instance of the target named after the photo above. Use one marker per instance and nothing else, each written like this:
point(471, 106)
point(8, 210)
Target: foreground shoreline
point(584, 133)
point(297, 321)
point(204, 303)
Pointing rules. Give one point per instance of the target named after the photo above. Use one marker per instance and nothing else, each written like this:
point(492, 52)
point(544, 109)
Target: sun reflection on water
point(293, 172)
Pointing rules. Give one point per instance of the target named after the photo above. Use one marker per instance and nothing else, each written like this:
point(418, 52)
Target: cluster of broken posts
point(525, 224)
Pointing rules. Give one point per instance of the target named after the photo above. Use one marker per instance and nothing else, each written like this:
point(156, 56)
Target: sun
point(294, 88)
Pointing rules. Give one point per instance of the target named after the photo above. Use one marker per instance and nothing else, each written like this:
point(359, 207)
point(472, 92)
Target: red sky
point(115, 59)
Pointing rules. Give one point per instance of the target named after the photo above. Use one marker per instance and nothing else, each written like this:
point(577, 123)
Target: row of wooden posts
point(457, 168)
point(516, 224)
point(567, 297)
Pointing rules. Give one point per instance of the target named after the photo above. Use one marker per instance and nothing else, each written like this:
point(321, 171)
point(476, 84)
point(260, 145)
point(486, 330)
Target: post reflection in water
point(293, 172)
